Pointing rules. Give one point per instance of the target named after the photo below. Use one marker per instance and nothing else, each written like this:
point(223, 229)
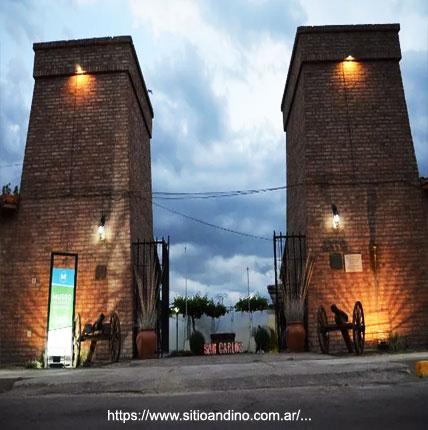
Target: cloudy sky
point(217, 69)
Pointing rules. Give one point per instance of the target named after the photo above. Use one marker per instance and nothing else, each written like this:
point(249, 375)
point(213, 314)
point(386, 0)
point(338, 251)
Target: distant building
point(350, 153)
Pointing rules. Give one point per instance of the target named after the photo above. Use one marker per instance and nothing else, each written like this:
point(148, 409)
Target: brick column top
point(97, 55)
point(334, 43)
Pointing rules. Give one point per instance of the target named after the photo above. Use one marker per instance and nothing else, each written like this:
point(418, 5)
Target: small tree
point(215, 310)
point(257, 303)
point(196, 306)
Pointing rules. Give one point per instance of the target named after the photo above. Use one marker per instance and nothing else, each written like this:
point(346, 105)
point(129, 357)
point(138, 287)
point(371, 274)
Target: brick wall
point(87, 154)
point(349, 142)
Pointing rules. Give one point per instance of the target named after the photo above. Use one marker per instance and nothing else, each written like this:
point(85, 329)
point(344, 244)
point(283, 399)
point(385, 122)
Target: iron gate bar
point(162, 301)
point(165, 297)
point(290, 251)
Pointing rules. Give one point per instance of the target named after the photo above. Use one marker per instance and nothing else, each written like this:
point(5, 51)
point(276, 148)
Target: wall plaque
point(100, 272)
point(353, 263)
point(336, 261)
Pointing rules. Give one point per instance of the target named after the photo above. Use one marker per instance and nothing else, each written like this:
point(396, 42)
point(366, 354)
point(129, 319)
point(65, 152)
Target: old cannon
point(341, 323)
point(98, 331)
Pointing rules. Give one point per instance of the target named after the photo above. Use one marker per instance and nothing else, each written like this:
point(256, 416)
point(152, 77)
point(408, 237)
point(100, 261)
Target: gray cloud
point(19, 19)
point(414, 67)
point(14, 113)
point(217, 86)
point(246, 20)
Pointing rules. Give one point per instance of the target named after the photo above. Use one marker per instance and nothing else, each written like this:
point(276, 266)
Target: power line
point(164, 195)
point(10, 165)
point(252, 236)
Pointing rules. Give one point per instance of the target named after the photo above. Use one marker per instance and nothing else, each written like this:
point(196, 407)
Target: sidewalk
point(201, 374)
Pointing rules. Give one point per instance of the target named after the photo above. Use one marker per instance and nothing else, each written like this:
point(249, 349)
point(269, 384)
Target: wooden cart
point(98, 331)
point(357, 326)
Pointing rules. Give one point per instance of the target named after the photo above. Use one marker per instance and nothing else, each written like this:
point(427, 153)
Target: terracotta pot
point(9, 198)
point(146, 343)
point(295, 336)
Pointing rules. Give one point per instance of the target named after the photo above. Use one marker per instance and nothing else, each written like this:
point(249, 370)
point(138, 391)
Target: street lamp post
point(176, 328)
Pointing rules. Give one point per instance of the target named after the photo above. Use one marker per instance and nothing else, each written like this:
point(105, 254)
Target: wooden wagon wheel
point(358, 328)
point(323, 334)
point(76, 341)
point(115, 339)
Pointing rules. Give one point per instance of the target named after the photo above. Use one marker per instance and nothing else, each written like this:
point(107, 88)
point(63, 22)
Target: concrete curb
point(202, 378)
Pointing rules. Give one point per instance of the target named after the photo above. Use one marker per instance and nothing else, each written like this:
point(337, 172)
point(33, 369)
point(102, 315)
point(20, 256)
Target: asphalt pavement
point(213, 373)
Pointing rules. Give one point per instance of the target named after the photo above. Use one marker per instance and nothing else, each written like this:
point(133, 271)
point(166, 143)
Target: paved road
point(323, 392)
point(385, 406)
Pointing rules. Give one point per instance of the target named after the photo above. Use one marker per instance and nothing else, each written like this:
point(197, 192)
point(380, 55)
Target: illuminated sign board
point(223, 348)
point(61, 312)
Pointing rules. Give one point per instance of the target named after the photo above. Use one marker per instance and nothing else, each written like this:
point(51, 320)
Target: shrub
point(33, 364)
point(397, 343)
point(272, 345)
point(262, 337)
point(197, 342)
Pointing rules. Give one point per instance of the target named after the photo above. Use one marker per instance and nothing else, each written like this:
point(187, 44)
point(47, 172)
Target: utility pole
point(185, 288)
point(250, 322)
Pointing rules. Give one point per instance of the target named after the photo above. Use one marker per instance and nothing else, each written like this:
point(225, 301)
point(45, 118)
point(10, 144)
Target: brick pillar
point(349, 144)
point(87, 155)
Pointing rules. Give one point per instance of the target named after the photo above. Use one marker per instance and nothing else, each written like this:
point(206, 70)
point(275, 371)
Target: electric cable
point(252, 236)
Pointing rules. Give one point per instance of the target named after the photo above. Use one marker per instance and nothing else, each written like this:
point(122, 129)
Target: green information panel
point(61, 310)
point(62, 299)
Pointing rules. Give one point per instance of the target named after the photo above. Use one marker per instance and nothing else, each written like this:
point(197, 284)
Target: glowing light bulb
point(336, 221)
point(101, 232)
point(336, 217)
point(101, 229)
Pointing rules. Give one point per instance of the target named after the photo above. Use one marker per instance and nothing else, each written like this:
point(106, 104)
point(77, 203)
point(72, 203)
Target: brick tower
point(87, 161)
point(349, 145)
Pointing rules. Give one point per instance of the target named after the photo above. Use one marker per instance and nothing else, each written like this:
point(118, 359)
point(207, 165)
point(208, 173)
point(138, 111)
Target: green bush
point(33, 364)
point(197, 342)
point(272, 345)
point(262, 337)
point(397, 343)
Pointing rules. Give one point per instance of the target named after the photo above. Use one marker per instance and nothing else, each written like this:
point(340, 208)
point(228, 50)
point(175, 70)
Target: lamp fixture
point(349, 58)
point(101, 228)
point(336, 217)
point(79, 70)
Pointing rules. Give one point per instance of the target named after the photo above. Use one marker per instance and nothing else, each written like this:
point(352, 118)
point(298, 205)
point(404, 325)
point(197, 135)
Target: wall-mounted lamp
point(336, 217)
point(101, 228)
point(349, 58)
point(78, 70)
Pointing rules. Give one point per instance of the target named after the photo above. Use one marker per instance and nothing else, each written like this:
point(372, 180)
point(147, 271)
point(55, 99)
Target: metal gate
point(144, 253)
point(289, 252)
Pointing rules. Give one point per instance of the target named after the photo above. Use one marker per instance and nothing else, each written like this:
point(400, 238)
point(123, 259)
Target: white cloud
point(217, 76)
point(182, 20)
point(411, 14)
point(178, 285)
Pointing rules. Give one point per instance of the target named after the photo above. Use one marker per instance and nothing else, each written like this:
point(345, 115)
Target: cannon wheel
point(115, 339)
point(76, 340)
point(358, 328)
point(323, 334)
